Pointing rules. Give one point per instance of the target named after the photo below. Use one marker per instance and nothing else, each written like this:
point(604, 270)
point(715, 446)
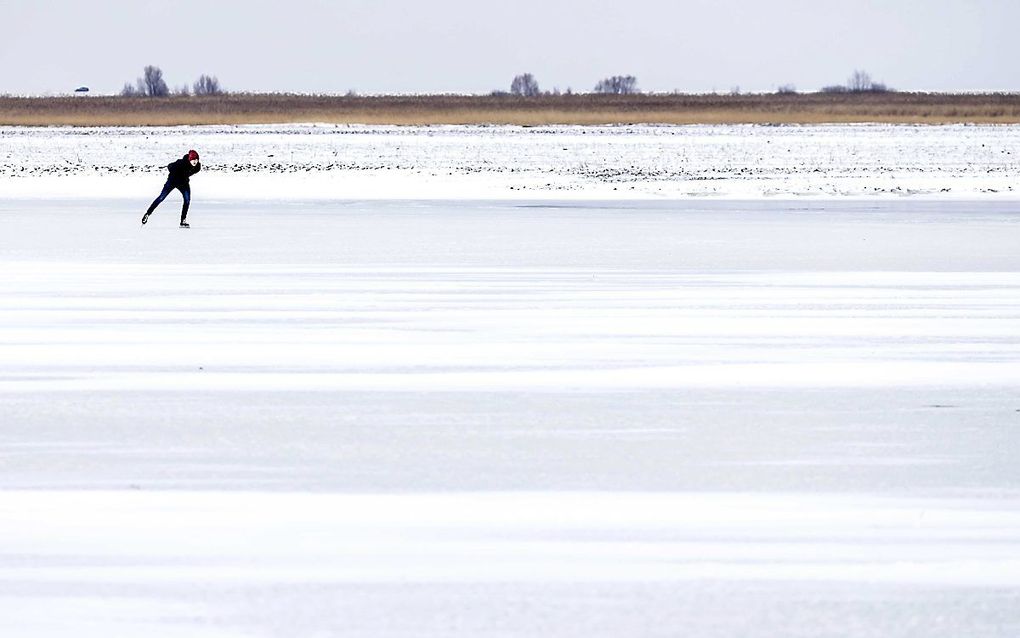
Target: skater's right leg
point(156, 202)
point(186, 193)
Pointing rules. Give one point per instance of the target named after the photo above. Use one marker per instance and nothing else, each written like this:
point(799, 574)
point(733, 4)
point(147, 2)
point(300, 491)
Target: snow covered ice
point(643, 162)
point(486, 394)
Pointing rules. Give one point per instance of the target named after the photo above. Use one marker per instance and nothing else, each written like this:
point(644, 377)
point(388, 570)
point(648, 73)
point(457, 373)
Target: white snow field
point(458, 162)
point(553, 413)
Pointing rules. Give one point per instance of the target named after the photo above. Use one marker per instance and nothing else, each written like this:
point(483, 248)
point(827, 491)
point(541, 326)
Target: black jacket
point(181, 170)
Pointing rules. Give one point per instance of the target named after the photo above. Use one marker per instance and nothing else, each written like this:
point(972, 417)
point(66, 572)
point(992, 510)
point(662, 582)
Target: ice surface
point(506, 417)
point(607, 564)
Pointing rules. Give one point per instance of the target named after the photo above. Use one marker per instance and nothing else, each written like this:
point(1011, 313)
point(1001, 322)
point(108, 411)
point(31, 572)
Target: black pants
point(167, 188)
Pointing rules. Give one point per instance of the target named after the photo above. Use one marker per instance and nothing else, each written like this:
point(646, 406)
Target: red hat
point(192, 155)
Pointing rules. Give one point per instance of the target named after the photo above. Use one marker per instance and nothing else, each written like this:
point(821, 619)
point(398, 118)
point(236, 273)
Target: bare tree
point(618, 85)
point(207, 85)
point(151, 84)
point(525, 85)
point(786, 89)
point(861, 82)
point(129, 90)
point(182, 91)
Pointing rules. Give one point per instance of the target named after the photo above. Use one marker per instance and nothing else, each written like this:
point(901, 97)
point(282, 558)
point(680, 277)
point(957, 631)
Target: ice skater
point(180, 172)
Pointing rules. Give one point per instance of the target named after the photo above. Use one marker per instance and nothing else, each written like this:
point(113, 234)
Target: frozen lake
point(407, 418)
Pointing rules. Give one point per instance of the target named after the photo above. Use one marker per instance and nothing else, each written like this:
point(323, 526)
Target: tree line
point(859, 82)
point(152, 84)
point(525, 85)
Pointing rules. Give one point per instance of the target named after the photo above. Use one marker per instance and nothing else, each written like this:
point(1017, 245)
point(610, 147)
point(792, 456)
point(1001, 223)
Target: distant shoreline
point(577, 109)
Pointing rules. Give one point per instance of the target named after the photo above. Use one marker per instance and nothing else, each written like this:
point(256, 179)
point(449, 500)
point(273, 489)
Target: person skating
point(180, 172)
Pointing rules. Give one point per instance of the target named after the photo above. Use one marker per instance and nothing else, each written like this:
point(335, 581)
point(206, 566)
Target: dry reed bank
point(808, 108)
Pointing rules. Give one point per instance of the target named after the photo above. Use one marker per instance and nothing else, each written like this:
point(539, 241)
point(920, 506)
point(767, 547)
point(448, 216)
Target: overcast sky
point(473, 46)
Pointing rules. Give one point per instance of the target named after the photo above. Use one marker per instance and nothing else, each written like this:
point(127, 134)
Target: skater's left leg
point(186, 192)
